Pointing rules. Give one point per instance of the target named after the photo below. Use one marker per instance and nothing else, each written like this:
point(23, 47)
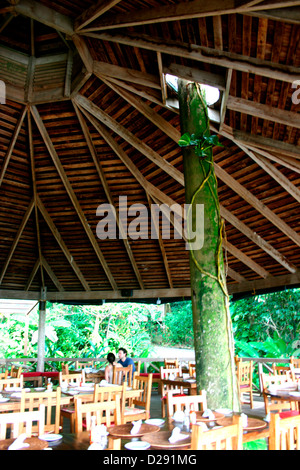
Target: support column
point(41, 336)
point(213, 339)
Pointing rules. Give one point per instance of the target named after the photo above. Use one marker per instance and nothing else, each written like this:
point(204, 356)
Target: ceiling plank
point(61, 243)
point(71, 194)
point(257, 204)
point(12, 143)
point(107, 191)
point(89, 106)
point(17, 238)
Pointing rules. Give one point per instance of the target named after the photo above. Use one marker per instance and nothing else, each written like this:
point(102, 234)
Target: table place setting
point(22, 442)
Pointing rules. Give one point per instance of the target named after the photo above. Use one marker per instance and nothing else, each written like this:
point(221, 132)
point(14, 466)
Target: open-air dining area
point(149, 153)
point(139, 413)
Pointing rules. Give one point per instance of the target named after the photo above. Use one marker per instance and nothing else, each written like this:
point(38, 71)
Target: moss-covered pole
point(213, 339)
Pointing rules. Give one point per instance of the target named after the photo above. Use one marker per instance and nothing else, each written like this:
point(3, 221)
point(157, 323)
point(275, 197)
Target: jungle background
point(263, 325)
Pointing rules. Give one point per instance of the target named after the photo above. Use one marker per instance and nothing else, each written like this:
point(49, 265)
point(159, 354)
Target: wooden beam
point(263, 111)
point(84, 52)
point(203, 54)
point(256, 203)
point(45, 15)
point(129, 137)
point(35, 269)
point(245, 259)
point(11, 146)
point(175, 12)
point(92, 13)
point(107, 191)
point(71, 194)
point(225, 98)
point(33, 177)
point(195, 75)
point(16, 239)
point(62, 244)
point(268, 283)
point(161, 244)
point(51, 274)
point(253, 236)
point(125, 74)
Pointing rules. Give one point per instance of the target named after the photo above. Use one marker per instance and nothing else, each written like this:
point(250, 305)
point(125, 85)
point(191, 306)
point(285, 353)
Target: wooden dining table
point(289, 394)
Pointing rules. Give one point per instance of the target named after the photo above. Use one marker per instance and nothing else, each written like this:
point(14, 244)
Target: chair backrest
point(223, 438)
point(106, 412)
point(10, 383)
point(31, 401)
point(15, 372)
point(295, 362)
point(186, 403)
point(72, 379)
point(83, 364)
point(65, 369)
point(165, 373)
point(137, 367)
point(22, 422)
point(144, 384)
point(192, 368)
point(244, 371)
point(122, 374)
point(171, 364)
point(284, 370)
point(284, 433)
point(108, 393)
point(3, 375)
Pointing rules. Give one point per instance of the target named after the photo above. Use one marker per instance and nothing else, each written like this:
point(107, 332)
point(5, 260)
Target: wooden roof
point(88, 117)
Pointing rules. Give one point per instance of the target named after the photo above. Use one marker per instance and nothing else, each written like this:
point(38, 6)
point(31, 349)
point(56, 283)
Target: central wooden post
point(213, 339)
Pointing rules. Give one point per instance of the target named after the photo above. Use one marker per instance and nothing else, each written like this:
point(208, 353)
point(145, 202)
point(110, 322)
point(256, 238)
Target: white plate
point(155, 422)
point(50, 437)
point(3, 400)
point(39, 389)
point(137, 445)
point(224, 411)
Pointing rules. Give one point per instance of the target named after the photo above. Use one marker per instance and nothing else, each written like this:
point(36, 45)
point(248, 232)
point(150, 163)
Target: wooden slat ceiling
point(88, 118)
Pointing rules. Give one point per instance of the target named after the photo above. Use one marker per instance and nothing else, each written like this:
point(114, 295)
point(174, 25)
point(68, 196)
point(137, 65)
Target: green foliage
point(202, 143)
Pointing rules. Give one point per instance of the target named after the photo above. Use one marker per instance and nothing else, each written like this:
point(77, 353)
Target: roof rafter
point(71, 194)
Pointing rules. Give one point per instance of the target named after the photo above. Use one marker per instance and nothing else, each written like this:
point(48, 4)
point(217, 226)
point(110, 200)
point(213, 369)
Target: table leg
point(114, 443)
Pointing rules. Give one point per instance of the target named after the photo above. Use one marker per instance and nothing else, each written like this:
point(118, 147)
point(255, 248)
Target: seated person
point(108, 373)
point(124, 360)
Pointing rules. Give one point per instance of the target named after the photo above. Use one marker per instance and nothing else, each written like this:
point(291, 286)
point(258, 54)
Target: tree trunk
point(213, 339)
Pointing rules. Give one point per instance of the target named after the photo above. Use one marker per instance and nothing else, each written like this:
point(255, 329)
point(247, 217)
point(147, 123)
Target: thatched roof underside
point(88, 117)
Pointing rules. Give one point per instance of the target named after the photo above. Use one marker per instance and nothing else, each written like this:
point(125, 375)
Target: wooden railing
point(53, 363)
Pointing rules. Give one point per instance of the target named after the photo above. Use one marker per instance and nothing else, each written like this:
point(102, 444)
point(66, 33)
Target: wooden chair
point(192, 369)
point(284, 370)
point(224, 438)
point(102, 410)
point(71, 379)
point(22, 422)
point(185, 403)
point(31, 401)
point(171, 364)
point(284, 433)
point(244, 371)
point(272, 403)
point(140, 399)
point(15, 372)
point(83, 364)
point(137, 367)
point(108, 393)
point(122, 374)
point(10, 383)
point(165, 373)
